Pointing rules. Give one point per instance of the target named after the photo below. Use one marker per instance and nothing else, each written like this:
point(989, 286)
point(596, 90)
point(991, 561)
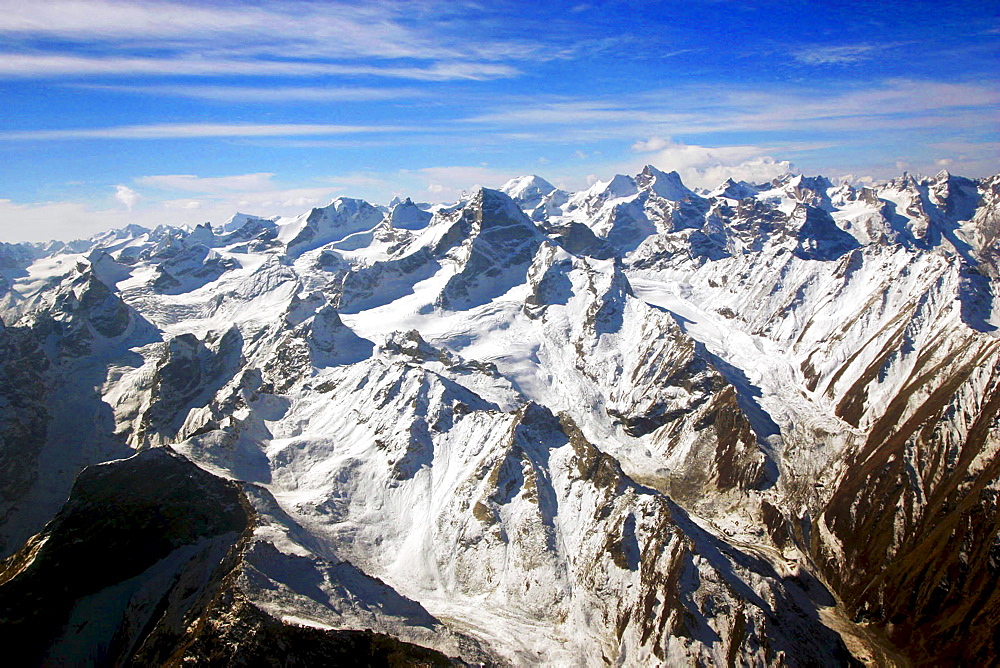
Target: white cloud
point(226, 194)
point(359, 180)
point(446, 184)
point(127, 196)
point(760, 169)
point(56, 220)
point(299, 202)
point(855, 180)
point(707, 167)
point(216, 198)
point(210, 185)
point(651, 144)
point(173, 199)
point(76, 220)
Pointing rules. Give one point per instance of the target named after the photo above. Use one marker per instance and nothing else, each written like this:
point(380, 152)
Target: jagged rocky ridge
point(629, 425)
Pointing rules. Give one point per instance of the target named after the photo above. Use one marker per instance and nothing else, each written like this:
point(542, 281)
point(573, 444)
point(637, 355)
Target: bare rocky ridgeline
point(631, 425)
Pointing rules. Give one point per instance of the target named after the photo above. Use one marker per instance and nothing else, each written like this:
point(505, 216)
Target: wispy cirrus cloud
point(125, 37)
point(836, 55)
point(334, 29)
point(699, 109)
point(207, 184)
point(47, 65)
point(268, 94)
point(199, 131)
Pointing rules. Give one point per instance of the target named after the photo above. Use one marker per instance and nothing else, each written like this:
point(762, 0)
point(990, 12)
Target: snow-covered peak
point(903, 183)
point(497, 209)
point(200, 235)
point(817, 184)
point(238, 220)
point(667, 185)
point(341, 218)
point(527, 189)
point(536, 196)
point(109, 238)
point(589, 201)
point(619, 186)
point(132, 231)
point(406, 215)
point(736, 190)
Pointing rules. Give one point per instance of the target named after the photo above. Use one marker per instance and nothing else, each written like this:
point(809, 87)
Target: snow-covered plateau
point(633, 425)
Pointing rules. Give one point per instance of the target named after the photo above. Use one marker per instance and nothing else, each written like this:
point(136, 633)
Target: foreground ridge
point(628, 425)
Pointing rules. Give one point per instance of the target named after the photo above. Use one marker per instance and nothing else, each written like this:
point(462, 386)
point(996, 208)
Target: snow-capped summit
point(406, 215)
point(338, 220)
point(667, 185)
point(487, 209)
point(238, 220)
point(619, 186)
point(588, 202)
point(536, 196)
point(528, 191)
point(735, 190)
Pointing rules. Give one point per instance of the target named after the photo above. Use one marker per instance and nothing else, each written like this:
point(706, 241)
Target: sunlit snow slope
point(630, 425)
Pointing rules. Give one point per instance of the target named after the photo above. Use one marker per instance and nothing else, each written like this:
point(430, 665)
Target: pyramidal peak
point(527, 187)
point(408, 216)
point(667, 185)
point(497, 207)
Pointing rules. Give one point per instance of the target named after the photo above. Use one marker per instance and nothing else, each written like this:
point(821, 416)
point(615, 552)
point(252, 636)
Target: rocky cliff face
point(147, 563)
point(631, 425)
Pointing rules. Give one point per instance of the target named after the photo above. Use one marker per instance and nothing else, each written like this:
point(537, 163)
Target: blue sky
point(184, 112)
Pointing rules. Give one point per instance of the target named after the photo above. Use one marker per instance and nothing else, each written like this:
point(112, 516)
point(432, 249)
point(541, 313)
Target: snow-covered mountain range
point(632, 425)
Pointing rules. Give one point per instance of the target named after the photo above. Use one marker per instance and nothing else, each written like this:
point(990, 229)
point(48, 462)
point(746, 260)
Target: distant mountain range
point(631, 425)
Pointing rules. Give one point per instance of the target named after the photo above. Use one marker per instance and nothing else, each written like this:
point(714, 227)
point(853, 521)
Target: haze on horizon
point(120, 112)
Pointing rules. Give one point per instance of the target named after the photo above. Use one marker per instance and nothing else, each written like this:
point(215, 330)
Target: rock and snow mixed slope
point(629, 425)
